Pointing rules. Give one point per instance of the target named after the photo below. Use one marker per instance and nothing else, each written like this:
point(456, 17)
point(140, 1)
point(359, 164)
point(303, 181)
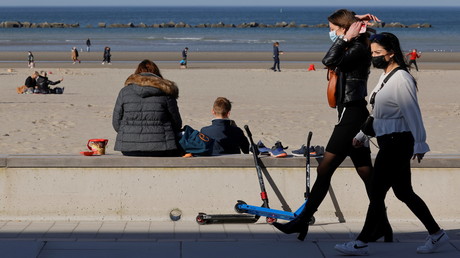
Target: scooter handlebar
point(310, 134)
point(246, 127)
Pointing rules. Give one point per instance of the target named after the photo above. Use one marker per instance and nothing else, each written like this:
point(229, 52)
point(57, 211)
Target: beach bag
point(331, 88)
point(195, 142)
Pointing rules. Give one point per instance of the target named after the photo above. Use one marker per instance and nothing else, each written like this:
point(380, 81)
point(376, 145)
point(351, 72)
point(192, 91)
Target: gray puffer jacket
point(146, 116)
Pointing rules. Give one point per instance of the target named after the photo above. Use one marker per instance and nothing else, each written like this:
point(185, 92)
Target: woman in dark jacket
point(350, 57)
point(146, 116)
point(44, 83)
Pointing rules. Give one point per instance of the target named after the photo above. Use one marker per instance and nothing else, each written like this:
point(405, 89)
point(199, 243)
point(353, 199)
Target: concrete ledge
point(114, 187)
point(120, 161)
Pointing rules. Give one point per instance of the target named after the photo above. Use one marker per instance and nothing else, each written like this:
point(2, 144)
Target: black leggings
point(392, 170)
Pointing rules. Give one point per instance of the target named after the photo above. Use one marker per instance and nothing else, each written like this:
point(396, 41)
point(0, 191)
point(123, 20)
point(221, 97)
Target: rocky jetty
point(171, 24)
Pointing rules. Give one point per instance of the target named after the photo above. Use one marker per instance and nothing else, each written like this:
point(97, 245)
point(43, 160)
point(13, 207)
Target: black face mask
point(380, 62)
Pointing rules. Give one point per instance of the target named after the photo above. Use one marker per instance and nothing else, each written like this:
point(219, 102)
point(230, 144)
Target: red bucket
point(97, 145)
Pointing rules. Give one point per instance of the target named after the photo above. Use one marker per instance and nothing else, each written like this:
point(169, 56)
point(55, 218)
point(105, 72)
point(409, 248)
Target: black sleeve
point(53, 83)
point(345, 54)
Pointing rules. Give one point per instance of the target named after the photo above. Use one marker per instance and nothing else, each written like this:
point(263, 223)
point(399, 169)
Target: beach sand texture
point(277, 106)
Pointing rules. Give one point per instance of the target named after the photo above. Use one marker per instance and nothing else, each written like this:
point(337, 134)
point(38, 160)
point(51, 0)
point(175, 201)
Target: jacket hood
point(146, 81)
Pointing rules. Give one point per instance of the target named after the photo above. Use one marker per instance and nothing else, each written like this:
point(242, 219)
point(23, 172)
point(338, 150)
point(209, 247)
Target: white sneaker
point(433, 242)
point(353, 248)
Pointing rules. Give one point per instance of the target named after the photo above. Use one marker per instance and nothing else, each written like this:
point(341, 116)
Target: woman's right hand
point(367, 17)
point(353, 31)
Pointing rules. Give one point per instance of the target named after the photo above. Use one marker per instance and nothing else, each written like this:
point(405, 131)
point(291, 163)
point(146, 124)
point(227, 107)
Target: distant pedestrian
point(31, 60)
point(75, 55)
point(183, 62)
point(276, 57)
point(413, 58)
point(88, 45)
point(107, 56)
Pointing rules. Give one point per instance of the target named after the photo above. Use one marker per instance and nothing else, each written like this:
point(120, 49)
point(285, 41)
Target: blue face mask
point(333, 35)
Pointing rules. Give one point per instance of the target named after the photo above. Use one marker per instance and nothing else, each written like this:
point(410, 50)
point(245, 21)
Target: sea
point(443, 36)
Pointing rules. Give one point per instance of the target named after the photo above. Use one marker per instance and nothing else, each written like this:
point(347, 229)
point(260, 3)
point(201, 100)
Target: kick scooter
point(272, 214)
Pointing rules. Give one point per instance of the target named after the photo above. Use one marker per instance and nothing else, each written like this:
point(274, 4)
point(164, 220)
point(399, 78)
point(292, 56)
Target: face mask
point(333, 35)
point(380, 62)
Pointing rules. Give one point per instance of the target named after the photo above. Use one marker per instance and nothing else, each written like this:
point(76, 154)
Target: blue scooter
point(272, 214)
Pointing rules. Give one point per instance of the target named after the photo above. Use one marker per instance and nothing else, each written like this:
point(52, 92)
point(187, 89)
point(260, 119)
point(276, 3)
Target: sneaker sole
point(281, 155)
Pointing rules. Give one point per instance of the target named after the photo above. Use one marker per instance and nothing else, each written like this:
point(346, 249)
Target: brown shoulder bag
point(331, 88)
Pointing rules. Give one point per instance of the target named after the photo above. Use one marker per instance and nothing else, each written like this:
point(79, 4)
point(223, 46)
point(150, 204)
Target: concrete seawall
point(114, 187)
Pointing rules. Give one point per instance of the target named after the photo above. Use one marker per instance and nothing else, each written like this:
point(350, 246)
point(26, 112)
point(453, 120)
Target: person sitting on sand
point(43, 85)
point(29, 85)
point(228, 138)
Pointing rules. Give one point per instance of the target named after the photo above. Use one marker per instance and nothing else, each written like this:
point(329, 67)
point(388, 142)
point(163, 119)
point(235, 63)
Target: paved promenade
point(186, 239)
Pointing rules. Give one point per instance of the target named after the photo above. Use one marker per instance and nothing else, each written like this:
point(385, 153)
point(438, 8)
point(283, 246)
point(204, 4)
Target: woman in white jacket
point(401, 136)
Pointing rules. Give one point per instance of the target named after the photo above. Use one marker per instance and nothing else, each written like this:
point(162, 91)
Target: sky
point(281, 3)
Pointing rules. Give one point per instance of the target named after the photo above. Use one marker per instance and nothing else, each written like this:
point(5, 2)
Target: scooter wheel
point(200, 219)
point(312, 220)
point(237, 207)
point(271, 220)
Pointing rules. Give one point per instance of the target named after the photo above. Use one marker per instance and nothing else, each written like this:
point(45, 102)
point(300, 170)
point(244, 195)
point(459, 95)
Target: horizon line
point(277, 6)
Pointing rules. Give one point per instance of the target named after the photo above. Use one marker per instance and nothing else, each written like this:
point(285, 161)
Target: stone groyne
point(171, 24)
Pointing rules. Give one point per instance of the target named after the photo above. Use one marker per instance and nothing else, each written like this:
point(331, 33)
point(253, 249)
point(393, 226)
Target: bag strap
point(372, 100)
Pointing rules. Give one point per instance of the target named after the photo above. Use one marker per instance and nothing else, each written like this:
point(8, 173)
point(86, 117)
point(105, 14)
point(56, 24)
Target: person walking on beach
point(31, 60)
point(146, 115)
point(107, 56)
point(88, 45)
point(401, 136)
point(183, 62)
point(276, 57)
point(413, 55)
point(350, 56)
point(75, 55)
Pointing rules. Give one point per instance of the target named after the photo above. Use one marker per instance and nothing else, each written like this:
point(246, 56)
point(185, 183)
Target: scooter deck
point(204, 218)
point(267, 212)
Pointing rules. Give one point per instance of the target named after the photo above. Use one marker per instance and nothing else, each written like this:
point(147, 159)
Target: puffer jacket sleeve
point(345, 54)
point(175, 115)
point(118, 112)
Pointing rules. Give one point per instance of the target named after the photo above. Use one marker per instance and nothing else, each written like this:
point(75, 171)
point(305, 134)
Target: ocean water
point(443, 36)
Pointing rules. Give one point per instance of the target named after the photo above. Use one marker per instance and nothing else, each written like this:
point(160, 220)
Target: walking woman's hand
point(419, 156)
point(367, 17)
point(357, 143)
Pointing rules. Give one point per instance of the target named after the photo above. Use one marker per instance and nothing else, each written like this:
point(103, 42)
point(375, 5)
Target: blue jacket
point(228, 138)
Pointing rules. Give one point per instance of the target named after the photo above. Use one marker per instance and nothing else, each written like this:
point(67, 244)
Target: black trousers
point(392, 170)
point(276, 63)
point(413, 62)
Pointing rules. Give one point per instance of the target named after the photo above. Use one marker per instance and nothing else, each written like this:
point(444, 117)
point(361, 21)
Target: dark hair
point(391, 44)
point(147, 66)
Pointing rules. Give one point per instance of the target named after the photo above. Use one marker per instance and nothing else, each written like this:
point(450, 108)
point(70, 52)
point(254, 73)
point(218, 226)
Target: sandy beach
point(277, 106)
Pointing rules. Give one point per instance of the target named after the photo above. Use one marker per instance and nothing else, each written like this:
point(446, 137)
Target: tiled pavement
point(184, 239)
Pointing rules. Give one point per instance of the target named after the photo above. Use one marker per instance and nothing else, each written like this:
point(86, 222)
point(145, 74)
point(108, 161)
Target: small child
point(228, 138)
